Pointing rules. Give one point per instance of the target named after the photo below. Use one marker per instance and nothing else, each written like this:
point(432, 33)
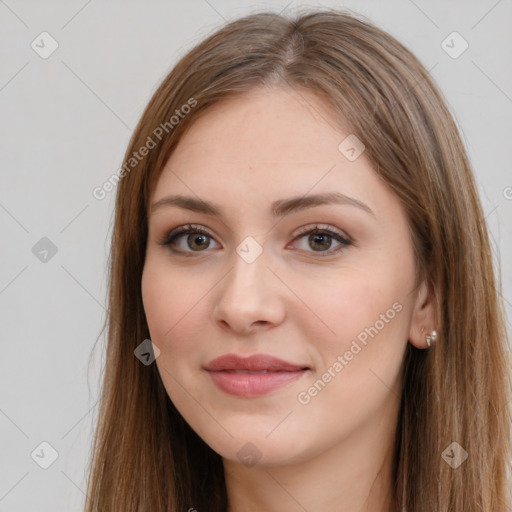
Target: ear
point(423, 320)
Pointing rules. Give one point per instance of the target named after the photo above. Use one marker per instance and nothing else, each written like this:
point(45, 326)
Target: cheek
point(357, 367)
point(165, 311)
point(167, 297)
point(360, 362)
point(354, 306)
point(176, 309)
point(174, 314)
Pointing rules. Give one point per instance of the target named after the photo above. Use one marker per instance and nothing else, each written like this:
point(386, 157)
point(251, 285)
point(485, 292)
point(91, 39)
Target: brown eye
point(188, 239)
point(320, 239)
point(197, 242)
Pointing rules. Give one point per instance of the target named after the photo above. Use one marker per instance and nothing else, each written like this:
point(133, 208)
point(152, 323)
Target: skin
point(334, 452)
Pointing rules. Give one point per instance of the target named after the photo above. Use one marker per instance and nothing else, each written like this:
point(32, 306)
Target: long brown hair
point(145, 456)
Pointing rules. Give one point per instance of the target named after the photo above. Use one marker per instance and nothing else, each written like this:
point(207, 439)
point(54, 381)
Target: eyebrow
point(279, 208)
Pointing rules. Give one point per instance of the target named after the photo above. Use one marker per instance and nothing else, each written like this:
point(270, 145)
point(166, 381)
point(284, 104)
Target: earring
point(431, 337)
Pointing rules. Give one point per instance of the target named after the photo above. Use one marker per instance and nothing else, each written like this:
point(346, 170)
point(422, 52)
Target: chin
point(250, 448)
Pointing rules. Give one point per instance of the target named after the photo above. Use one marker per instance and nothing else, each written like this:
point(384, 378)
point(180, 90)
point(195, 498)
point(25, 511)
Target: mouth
point(254, 363)
point(253, 376)
point(253, 372)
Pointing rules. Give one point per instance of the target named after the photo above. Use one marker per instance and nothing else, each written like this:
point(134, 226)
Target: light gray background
point(65, 123)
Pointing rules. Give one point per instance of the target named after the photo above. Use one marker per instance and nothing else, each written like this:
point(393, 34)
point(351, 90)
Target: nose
point(249, 298)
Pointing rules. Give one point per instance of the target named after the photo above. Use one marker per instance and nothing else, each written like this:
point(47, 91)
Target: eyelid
point(169, 236)
point(321, 227)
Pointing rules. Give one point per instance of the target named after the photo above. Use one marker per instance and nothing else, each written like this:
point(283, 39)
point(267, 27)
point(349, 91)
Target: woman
point(299, 235)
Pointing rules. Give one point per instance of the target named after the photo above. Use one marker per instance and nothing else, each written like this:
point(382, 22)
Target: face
point(301, 254)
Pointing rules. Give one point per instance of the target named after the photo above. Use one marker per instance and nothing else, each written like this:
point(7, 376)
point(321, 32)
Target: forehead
point(264, 125)
point(263, 145)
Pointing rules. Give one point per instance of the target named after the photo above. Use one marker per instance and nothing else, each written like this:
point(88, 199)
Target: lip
point(229, 373)
point(256, 362)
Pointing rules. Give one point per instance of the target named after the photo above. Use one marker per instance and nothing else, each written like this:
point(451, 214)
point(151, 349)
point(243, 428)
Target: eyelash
point(170, 238)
